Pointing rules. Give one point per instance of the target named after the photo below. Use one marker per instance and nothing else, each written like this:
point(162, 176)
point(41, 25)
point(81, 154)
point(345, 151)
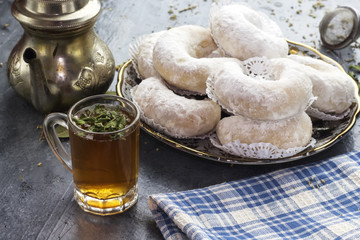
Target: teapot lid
point(56, 15)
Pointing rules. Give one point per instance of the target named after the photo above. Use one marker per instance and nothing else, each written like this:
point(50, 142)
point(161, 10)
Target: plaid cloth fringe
point(315, 201)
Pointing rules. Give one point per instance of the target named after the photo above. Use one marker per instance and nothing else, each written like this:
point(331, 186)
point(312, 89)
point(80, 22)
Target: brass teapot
point(59, 59)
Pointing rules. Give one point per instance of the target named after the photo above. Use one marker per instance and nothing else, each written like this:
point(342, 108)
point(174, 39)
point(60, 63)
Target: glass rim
point(136, 120)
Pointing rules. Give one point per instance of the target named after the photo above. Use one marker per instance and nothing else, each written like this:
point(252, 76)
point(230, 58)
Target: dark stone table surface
point(36, 190)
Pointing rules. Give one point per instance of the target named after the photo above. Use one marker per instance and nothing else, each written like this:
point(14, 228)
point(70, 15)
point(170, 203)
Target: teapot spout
point(41, 97)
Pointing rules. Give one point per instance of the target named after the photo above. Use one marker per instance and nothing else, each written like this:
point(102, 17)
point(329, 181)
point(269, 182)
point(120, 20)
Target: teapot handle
point(50, 122)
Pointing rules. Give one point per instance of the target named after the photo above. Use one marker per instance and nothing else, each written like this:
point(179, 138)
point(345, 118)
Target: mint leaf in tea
point(102, 118)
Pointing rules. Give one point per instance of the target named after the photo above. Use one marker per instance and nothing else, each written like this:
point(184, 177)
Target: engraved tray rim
point(226, 158)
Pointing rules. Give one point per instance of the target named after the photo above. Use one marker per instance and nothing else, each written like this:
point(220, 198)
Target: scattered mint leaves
point(102, 119)
point(356, 67)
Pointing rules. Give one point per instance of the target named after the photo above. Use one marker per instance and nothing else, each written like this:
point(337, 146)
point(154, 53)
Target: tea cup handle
point(50, 122)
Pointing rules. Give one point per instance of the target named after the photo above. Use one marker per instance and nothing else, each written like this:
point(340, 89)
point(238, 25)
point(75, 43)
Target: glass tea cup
point(105, 165)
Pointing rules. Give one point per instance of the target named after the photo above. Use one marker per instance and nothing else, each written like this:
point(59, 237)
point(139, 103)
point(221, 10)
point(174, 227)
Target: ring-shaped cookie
point(180, 56)
point(243, 33)
point(333, 88)
point(286, 93)
point(264, 139)
point(141, 52)
point(173, 114)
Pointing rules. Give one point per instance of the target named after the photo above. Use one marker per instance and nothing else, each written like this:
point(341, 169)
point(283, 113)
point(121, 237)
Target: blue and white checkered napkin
point(315, 201)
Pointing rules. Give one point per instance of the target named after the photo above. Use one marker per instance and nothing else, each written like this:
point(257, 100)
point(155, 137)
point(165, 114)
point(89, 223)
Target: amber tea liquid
point(105, 171)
